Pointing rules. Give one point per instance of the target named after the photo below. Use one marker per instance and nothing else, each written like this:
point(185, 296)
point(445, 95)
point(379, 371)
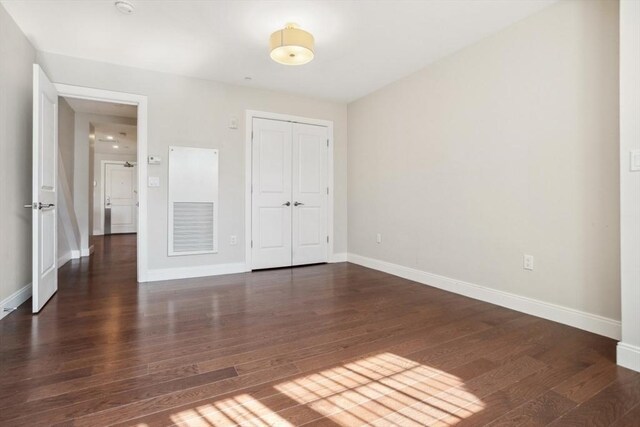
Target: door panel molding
point(271, 193)
point(309, 176)
point(44, 183)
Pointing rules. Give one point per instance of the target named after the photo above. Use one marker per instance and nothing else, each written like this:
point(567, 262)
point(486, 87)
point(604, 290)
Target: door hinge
point(327, 239)
point(327, 142)
point(327, 190)
point(252, 243)
point(251, 136)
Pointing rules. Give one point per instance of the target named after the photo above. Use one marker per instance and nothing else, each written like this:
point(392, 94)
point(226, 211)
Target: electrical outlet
point(528, 262)
point(233, 240)
point(378, 238)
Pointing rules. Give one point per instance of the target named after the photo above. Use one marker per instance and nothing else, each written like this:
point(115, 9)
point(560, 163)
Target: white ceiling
point(361, 45)
point(102, 108)
point(127, 143)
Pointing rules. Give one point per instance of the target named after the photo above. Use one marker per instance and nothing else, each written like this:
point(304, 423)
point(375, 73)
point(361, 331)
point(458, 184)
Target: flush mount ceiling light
point(291, 45)
point(124, 7)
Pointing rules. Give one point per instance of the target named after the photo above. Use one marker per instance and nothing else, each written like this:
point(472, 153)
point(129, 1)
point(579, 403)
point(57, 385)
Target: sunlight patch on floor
point(242, 409)
point(384, 389)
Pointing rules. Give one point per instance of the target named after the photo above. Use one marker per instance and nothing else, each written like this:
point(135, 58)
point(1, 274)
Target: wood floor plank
point(607, 406)
point(323, 345)
point(630, 419)
point(588, 382)
point(537, 412)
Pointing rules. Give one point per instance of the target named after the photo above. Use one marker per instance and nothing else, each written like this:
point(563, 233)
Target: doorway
point(139, 103)
point(52, 195)
point(97, 145)
point(119, 204)
point(289, 171)
point(115, 176)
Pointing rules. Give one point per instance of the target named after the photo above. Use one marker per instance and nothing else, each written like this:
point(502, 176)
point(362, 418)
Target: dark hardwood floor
point(323, 345)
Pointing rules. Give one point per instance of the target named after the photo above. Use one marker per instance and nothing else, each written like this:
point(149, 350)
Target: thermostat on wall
point(154, 160)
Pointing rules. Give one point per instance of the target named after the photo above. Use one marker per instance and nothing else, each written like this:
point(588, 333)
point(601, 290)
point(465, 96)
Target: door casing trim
point(93, 94)
point(253, 114)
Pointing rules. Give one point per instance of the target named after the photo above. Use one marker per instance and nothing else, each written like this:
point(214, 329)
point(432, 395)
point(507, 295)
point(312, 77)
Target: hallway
point(334, 344)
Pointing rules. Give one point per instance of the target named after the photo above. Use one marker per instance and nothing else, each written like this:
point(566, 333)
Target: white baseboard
point(15, 299)
point(339, 257)
point(568, 316)
point(154, 275)
point(629, 356)
point(64, 258)
point(86, 251)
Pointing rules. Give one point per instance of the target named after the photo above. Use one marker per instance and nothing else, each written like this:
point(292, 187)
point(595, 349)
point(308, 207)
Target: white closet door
point(309, 233)
point(271, 194)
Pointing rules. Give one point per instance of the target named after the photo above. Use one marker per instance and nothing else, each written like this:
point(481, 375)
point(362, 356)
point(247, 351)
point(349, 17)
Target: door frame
point(93, 94)
point(103, 176)
point(248, 231)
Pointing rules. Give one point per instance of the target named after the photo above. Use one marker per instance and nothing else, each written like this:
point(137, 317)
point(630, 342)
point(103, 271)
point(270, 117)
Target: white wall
point(192, 112)
point(629, 348)
point(504, 148)
point(16, 59)
point(66, 128)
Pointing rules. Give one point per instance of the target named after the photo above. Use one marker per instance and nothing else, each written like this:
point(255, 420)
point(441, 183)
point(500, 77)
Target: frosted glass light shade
point(291, 45)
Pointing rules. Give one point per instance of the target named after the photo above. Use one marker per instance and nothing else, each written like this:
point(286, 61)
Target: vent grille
point(193, 227)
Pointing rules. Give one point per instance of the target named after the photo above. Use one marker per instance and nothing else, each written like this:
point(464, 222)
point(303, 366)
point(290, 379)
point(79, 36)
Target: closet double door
point(289, 194)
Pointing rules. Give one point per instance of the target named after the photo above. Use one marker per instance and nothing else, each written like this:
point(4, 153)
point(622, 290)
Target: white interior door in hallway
point(289, 194)
point(121, 196)
point(44, 179)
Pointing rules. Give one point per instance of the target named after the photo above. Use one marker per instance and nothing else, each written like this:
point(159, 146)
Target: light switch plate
point(154, 160)
point(527, 262)
point(154, 181)
point(635, 160)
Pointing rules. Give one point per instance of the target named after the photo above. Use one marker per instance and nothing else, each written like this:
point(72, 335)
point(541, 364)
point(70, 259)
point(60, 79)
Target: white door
point(45, 173)
point(310, 193)
point(289, 194)
point(271, 194)
point(121, 196)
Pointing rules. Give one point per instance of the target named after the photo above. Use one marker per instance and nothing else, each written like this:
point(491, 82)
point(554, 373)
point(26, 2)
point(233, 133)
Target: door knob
point(286, 204)
point(298, 204)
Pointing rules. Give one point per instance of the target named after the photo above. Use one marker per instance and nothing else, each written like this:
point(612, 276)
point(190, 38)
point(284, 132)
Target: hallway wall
point(16, 59)
point(66, 145)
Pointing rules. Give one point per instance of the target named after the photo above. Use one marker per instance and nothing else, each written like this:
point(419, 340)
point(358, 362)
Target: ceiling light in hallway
point(124, 7)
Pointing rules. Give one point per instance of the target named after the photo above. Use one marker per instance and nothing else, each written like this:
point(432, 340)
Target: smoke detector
point(124, 7)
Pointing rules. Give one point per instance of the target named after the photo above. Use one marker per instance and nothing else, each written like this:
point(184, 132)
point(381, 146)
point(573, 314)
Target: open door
point(45, 174)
